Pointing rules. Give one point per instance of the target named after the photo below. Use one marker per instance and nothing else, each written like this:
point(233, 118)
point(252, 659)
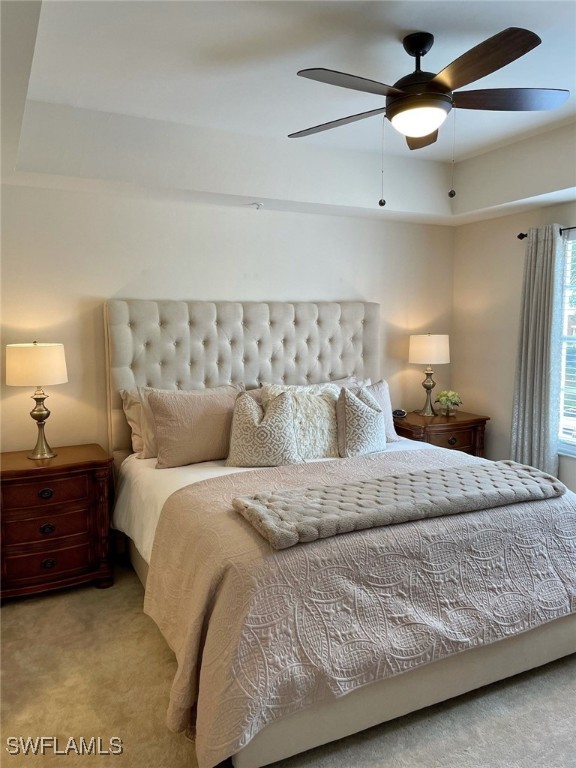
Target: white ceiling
point(232, 65)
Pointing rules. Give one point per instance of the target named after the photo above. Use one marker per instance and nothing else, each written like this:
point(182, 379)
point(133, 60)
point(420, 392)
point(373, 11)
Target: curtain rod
point(522, 235)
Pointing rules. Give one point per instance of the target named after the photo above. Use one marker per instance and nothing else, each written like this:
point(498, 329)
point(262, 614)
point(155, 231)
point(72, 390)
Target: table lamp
point(28, 364)
point(429, 349)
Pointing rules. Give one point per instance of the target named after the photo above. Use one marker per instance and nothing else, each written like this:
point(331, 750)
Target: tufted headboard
point(197, 344)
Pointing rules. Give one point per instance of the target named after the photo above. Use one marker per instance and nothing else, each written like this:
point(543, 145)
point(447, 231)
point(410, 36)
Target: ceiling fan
point(418, 104)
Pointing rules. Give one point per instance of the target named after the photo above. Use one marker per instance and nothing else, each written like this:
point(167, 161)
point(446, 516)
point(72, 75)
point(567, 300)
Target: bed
point(281, 650)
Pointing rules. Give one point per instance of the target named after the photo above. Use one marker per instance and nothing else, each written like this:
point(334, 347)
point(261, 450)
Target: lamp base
point(38, 456)
point(428, 385)
point(40, 413)
point(427, 412)
point(41, 450)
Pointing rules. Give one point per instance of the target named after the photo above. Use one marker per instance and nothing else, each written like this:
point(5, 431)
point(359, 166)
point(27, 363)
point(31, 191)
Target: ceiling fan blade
point(511, 99)
point(487, 57)
point(332, 77)
point(336, 123)
point(417, 142)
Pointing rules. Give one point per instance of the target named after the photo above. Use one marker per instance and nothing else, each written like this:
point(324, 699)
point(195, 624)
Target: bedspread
point(260, 633)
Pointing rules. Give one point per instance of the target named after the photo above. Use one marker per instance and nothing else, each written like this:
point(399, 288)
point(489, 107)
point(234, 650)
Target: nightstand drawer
point(460, 432)
point(35, 493)
point(46, 564)
point(45, 526)
point(458, 439)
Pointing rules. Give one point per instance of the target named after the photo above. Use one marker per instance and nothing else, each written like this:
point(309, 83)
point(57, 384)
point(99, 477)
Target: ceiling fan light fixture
point(418, 116)
point(419, 121)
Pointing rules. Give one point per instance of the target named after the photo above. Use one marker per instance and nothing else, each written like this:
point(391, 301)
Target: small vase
point(449, 411)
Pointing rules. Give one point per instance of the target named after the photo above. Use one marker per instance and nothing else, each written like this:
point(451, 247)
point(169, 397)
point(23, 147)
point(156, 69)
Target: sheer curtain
point(535, 414)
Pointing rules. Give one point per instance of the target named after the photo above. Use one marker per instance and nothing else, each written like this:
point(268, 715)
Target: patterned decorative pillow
point(314, 414)
point(381, 393)
point(262, 438)
point(361, 424)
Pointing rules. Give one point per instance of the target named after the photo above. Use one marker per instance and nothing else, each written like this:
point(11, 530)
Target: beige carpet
point(88, 663)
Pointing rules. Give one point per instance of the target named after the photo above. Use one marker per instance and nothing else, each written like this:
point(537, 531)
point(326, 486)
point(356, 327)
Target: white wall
point(488, 274)
point(65, 253)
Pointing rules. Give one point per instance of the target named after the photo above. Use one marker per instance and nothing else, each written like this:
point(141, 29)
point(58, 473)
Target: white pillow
point(349, 382)
point(314, 417)
point(262, 438)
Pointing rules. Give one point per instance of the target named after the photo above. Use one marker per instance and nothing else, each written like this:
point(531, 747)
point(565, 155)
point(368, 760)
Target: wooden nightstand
point(461, 432)
point(56, 520)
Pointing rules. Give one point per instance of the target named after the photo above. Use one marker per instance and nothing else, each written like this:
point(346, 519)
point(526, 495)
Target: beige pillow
point(192, 426)
point(262, 438)
point(381, 393)
point(139, 417)
point(361, 424)
point(131, 403)
point(141, 420)
point(314, 416)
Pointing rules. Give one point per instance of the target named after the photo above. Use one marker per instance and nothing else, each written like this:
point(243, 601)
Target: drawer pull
point(47, 528)
point(452, 440)
point(48, 562)
point(46, 493)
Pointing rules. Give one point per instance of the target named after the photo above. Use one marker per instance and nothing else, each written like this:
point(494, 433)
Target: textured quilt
point(259, 633)
point(286, 518)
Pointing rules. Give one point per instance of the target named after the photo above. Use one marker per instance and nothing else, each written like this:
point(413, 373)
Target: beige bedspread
point(259, 633)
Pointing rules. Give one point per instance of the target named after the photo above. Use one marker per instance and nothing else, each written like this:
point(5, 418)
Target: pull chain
point(452, 192)
point(382, 202)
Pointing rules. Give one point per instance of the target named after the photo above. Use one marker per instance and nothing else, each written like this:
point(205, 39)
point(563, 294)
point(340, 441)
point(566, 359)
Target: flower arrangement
point(448, 399)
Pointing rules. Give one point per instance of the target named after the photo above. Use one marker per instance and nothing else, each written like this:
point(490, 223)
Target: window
point(568, 371)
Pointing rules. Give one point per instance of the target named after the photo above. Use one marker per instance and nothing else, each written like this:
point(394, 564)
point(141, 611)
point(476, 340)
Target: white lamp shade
point(33, 365)
point(429, 348)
